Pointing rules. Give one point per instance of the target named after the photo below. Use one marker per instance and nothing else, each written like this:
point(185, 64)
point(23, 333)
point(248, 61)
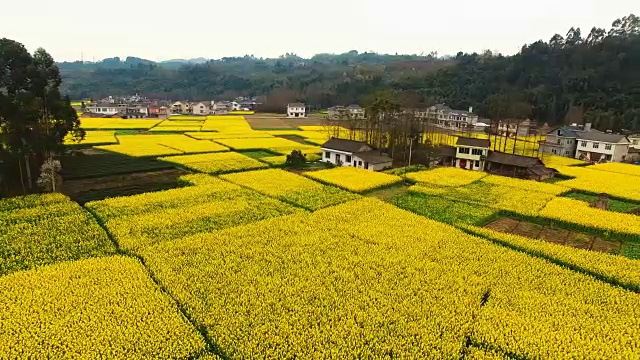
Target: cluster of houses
point(136, 107)
point(469, 153)
point(585, 143)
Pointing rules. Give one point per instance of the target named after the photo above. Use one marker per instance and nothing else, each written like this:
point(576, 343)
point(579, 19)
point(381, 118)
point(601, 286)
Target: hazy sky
point(162, 30)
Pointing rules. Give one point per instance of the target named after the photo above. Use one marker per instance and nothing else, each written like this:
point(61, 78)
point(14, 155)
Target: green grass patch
point(444, 210)
point(614, 204)
point(258, 154)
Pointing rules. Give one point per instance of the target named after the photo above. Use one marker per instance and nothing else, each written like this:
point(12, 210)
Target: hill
point(566, 79)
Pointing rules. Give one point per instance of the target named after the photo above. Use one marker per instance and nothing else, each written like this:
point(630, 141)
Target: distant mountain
point(199, 60)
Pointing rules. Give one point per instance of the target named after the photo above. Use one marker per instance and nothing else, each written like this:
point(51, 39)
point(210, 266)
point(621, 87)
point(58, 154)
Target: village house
point(201, 108)
point(352, 111)
point(343, 152)
point(511, 128)
point(518, 166)
point(634, 139)
point(103, 108)
point(595, 146)
point(296, 110)
point(447, 118)
point(180, 107)
point(471, 153)
point(561, 141)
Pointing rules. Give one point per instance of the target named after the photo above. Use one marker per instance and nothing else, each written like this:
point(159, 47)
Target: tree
point(34, 117)
point(50, 179)
point(296, 158)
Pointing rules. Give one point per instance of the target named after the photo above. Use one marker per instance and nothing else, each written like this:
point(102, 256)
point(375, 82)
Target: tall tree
point(34, 118)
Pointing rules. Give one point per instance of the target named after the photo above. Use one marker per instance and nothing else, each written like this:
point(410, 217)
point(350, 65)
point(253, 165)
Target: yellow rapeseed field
point(216, 163)
point(500, 197)
point(38, 230)
point(353, 179)
point(554, 161)
point(580, 213)
point(141, 220)
point(218, 135)
point(275, 144)
point(596, 181)
point(621, 168)
point(117, 123)
point(159, 145)
point(366, 279)
point(525, 185)
point(91, 309)
point(226, 124)
point(291, 188)
point(94, 138)
point(446, 176)
point(613, 268)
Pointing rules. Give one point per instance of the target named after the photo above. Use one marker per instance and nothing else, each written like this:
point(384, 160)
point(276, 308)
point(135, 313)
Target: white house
point(296, 110)
point(201, 108)
point(180, 107)
point(104, 108)
point(471, 153)
point(635, 140)
point(343, 152)
point(445, 117)
point(597, 146)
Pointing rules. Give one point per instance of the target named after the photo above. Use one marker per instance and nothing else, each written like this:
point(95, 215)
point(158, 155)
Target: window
point(559, 142)
point(596, 145)
point(607, 147)
point(327, 155)
point(583, 144)
point(348, 158)
point(337, 157)
point(477, 163)
point(476, 151)
point(359, 163)
point(608, 157)
point(464, 150)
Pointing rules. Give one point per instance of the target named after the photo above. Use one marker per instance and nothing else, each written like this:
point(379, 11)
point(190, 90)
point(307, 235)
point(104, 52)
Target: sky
point(162, 30)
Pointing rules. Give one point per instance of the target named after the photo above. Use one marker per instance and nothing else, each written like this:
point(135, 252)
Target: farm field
point(175, 243)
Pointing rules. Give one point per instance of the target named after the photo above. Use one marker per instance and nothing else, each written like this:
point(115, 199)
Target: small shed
point(518, 166)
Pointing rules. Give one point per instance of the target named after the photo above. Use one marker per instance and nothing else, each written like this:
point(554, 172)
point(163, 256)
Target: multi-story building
point(296, 110)
point(471, 153)
point(596, 146)
point(445, 117)
point(511, 128)
point(103, 108)
point(201, 108)
point(347, 112)
point(561, 141)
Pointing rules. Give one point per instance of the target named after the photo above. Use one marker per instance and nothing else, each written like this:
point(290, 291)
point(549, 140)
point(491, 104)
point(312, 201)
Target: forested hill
point(592, 76)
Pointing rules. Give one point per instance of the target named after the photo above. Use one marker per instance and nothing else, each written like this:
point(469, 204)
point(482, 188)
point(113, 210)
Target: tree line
point(572, 78)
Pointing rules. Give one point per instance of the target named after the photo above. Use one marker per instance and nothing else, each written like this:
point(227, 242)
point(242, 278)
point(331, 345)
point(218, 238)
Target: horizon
point(267, 30)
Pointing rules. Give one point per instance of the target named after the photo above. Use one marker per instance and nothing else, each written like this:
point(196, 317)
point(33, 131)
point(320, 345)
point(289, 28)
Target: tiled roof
point(600, 136)
point(373, 157)
point(345, 145)
point(465, 141)
point(512, 159)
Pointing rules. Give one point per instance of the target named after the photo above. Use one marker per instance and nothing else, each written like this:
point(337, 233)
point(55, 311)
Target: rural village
point(303, 223)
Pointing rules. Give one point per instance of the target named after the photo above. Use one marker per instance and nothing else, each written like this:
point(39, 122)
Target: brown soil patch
point(503, 225)
point(98, 188)
point(557, 236)
point(528, 229)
